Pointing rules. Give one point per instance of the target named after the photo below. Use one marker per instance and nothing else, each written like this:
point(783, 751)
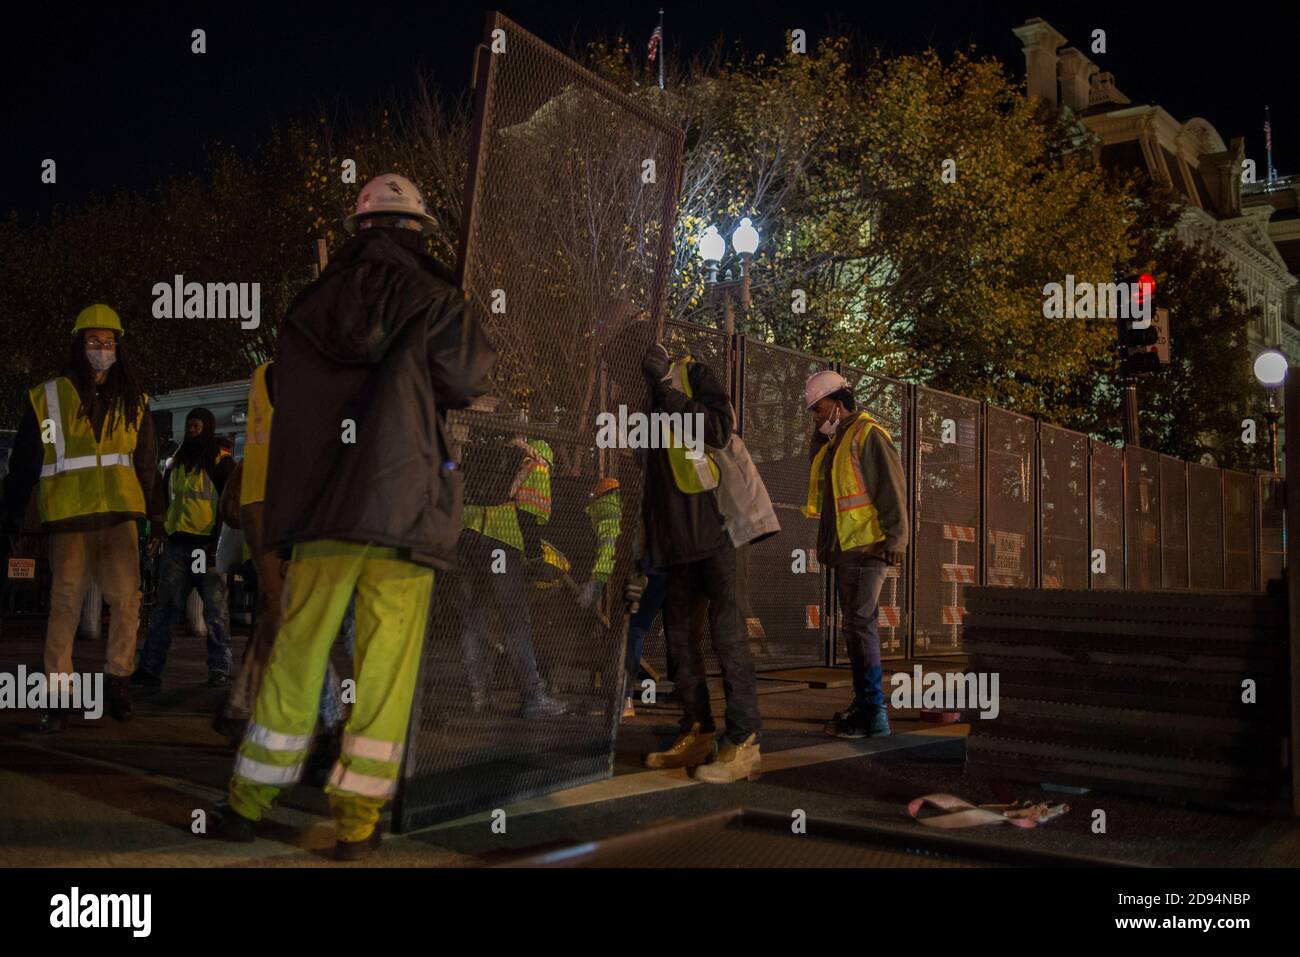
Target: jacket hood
point(377, 283)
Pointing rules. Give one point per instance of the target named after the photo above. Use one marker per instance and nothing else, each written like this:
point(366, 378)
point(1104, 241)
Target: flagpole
point(662, 48)
point(1268, 142)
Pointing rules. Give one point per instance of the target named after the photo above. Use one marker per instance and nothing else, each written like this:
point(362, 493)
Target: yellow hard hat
point(98, 316)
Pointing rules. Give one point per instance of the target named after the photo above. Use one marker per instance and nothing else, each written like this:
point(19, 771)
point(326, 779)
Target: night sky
point(119, 100)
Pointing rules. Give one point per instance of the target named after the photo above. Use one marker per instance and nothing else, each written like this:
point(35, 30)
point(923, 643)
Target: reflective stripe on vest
point(691, 475)
point(856, 521)
point(80, 474)
point(193, 505)
point(532, 494)
point(257, 439)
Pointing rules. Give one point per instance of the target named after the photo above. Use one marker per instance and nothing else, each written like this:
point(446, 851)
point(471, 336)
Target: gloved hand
point(590, 593)
point(655, 364)
point(633, 591)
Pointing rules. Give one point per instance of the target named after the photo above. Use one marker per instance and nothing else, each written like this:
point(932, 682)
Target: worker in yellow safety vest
point(86, 445)
point(490, 574)
point(193, 482)
point(856, 490)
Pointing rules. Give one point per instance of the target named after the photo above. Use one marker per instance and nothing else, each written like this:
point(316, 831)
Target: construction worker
point(862, 531)
point(605, 513)
point(193, 484)
point(364, 489)
point(86, 443)
point(487, 569)
point(685, 535)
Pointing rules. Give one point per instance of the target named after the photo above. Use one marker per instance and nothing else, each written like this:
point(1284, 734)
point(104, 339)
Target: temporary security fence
point(565, 253)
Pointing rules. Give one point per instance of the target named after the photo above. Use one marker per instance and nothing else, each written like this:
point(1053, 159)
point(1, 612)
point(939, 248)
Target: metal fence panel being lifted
point(565, 256)
point(946, 524)
point(1063, 501)
point(889, 402)
point(1106, 502)
point(1238, 531)
point(1173, 523)
point(1141, 519)
point(1205, 527)
point(786, 606)
point(1010, 499)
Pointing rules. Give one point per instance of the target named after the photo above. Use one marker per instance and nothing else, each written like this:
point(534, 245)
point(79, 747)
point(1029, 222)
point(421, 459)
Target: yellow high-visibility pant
point(392, 604)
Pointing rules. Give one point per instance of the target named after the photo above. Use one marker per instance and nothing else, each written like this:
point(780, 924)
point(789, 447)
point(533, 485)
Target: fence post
point(1291, 520)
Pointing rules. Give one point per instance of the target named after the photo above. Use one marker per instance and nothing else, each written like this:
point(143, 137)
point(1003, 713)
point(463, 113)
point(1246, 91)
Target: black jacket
point(680, 527)
point(376, 350)
point(882, 473)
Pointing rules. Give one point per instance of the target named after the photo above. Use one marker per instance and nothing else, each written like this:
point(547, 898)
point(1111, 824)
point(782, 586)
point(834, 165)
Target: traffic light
point(1137, 346)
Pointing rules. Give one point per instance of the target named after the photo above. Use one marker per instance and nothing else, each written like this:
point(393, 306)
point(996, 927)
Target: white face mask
point(100, 360)
point(828, 427)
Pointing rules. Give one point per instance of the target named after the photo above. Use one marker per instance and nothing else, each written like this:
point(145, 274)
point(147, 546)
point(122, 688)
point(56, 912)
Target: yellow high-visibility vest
point(82, 475)
point(691, 476)
point(193, 504)
point(501, 522)
point(856, 520)
point(257, 440)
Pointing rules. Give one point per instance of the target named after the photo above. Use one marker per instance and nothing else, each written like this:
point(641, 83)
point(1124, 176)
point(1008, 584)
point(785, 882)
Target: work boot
point(734, 762)
point(119, 698)
point(53, 720)
point(233, 826)
point(358, 850)
point(218, 679)
point(691, 747)
point(143, 679)
point(231, 728)
point(629, 709)
point(860, 721)
point(540, 704)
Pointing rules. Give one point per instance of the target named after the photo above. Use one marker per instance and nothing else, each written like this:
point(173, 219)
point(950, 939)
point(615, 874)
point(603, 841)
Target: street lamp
point(712, 249)
point(1270, 369)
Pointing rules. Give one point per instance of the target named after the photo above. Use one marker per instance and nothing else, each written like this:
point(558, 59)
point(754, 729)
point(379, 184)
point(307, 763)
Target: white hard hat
point(393, 195)
point(821, 384)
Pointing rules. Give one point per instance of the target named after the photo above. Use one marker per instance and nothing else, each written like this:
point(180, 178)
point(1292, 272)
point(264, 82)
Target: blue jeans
point(652, 600)
point(858, 587)
point(175, 582)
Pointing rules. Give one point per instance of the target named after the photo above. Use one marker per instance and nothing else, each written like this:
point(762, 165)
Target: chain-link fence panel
point(1010, 499)
point(1205, 527)
point(1238, 531)
point(565, 256)
point(946, 524)
point(889, 403)
point(1063, 501)
point(786, 582)
point(1272, 515)
point(1173, 523)
point(1106, 498)
point(1141, 518)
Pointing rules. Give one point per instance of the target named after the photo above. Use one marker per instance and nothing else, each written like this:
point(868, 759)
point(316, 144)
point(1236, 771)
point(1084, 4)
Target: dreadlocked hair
point(120, 389)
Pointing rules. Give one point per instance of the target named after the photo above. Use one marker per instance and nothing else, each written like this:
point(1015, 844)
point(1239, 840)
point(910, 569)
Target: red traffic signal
point(1146, 289)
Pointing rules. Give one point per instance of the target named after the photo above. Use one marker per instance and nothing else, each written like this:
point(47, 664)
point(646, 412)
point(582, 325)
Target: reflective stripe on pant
point(392, 605)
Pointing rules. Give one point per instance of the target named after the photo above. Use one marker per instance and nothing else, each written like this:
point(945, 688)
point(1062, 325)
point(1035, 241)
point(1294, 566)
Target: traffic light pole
point(1132, 435)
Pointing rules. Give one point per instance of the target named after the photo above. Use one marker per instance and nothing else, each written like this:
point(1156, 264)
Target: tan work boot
point(691, 747)
point(734, 762)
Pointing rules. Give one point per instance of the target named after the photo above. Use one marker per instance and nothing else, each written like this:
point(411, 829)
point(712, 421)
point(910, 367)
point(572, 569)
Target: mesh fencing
point(1205, 527)
point(1272, 511)
point(889, 402)
point(1238, 531)
point(1173, 523)
point(1063, 503)
point(1106, 482)
point(946, 525)
point(1010, 499)
point(1141, 519)
point(565, 255)
point(787, 625)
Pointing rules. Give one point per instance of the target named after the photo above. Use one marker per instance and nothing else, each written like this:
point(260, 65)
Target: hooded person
point(192, 487)
point(86, 445)
point(363, 492)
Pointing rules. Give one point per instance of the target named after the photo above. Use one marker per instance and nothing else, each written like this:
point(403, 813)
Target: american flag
point(1268, 134)
point(652, 48)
